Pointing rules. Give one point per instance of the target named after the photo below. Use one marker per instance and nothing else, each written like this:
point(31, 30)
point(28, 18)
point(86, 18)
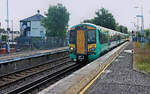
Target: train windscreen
point(72, 37)
point(91, 36)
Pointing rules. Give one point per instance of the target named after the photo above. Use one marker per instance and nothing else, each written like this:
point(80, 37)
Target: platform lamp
point(142, 26)
point(134, 31)
point(8, 29)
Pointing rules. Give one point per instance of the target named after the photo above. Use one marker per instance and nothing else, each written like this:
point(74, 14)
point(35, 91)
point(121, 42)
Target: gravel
point(120, 78)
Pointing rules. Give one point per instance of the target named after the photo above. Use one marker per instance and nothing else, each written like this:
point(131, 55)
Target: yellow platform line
point(90, 83)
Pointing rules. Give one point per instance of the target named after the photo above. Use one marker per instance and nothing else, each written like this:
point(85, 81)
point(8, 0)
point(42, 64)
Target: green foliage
point(56, 21)
point(138, 44)
point(1, 29)
point(144, 65)
point(106, 19)
point(138, 34)
point(103, 18)
point(122, 29)
point(4, 37)
point(147, 33)
point(89, 21)
point(147, 46)
point(142, 57)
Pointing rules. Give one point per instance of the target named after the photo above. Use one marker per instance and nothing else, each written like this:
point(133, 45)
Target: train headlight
point(72, 49)
point(92, 49)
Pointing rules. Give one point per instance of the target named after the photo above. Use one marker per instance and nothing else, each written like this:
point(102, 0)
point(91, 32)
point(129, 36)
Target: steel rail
point(34, 85)
point(25, 76)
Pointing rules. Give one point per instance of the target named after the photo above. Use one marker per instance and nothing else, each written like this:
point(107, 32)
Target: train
point(88, 41)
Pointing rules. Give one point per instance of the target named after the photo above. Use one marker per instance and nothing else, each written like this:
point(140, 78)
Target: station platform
point(24, 60)
point(77, 82)
point(121, 78)
point(21, 55)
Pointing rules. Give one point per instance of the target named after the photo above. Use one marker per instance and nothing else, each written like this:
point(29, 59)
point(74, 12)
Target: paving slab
point(121, 78)
point(21, 55)
point(74, 83)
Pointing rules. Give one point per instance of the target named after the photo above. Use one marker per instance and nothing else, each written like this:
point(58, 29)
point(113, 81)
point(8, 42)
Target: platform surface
point(20, 55)
point(73, 83)
point(120, 78)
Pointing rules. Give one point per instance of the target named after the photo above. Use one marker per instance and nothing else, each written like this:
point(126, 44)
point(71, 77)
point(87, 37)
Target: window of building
point(42, 33)
point(28, 24)
point(41, 24)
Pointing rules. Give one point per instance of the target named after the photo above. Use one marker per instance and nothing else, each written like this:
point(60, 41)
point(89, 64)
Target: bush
point(147, 46)
point(4, 37)
point(138, 44)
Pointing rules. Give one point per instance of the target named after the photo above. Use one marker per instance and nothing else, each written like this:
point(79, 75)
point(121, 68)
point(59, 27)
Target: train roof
point(99, 27)
point(89, 24)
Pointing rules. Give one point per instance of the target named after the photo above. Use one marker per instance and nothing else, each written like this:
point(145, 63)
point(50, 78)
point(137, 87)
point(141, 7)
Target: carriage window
point(72, 37)
point(91, 36)
point(101, 37)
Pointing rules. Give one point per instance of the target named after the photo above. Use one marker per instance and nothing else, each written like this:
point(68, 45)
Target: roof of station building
point(36, 17)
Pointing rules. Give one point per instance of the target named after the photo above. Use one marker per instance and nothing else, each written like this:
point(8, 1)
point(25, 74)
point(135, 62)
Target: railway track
point(19, 81)
point(28, 88)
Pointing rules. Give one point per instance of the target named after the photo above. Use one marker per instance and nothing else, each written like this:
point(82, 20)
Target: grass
point(142, 57)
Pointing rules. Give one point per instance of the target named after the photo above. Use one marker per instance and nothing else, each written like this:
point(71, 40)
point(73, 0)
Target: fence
point(138, 39)
point(36, 43)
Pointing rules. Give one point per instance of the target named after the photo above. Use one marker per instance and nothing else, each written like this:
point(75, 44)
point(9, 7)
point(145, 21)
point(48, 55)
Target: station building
point(32, 27)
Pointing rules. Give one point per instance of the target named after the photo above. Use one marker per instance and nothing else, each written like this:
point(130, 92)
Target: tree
point(88, 21)
point(138, 34)
point(147, 33)
point(56, 21)
point(122, 29)
point(106, 19)
point(1, 30)
point(103, 18)
point(5, 37)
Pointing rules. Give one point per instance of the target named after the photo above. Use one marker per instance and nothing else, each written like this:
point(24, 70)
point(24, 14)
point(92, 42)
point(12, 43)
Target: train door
point(81, 44)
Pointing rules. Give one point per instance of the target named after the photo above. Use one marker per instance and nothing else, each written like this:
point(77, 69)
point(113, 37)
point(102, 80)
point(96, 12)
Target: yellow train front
point(82, 42)
point(88, 41)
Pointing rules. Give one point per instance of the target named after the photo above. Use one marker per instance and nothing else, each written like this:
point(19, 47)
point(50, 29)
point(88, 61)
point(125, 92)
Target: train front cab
point(82, 43)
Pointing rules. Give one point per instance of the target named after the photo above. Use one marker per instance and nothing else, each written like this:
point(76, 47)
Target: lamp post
point(134, 25)
point(134, 31)
point(137, 23)
point(7, 20)
point(12, 31)
point(142, 26)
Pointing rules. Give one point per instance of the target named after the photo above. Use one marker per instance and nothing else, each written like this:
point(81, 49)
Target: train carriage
point(88, 41)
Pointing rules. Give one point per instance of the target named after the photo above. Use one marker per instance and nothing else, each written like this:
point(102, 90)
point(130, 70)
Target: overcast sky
point(123, 10)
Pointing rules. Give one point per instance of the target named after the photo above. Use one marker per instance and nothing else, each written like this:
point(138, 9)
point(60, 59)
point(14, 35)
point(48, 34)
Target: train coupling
point(81, 57)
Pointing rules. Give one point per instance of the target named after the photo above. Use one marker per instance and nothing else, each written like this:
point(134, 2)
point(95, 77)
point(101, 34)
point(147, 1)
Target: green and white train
point(88, 41)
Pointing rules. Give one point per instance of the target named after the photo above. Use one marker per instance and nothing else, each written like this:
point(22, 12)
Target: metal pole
point(7, 20)
point(137, 27)
point(137, 24)
point(142, 28)
point(12, 31)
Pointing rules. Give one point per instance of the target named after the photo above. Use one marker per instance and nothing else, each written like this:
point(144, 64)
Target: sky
point(124, 11)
